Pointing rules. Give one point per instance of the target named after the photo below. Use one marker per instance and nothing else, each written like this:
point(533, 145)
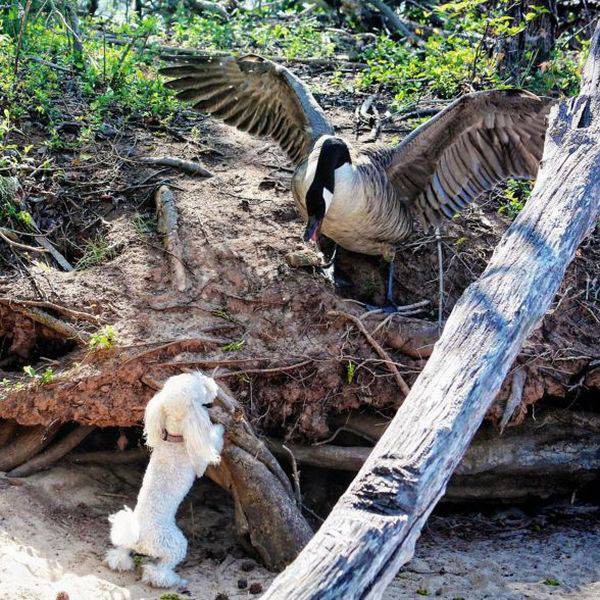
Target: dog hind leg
point(170, 549)
point(162, 575)
point(119, 559)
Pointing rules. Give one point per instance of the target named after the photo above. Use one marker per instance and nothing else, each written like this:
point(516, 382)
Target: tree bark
point(268, 520)
point(373, 528)
point(555, 453)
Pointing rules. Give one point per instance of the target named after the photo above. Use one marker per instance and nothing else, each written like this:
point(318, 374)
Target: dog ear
point(202, 442)
point(154, 421)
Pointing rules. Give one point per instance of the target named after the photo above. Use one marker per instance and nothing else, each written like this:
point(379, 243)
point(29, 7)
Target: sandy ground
point(53, 534)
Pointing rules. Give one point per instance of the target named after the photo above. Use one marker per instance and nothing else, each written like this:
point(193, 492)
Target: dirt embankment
point(261, 325)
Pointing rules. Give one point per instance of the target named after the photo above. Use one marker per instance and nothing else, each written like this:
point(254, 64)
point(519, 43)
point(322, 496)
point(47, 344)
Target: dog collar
point(167, 437)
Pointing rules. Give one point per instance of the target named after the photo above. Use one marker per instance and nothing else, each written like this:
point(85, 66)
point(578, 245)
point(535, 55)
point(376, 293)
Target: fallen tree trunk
point(373, 528)
point(555, 453)
point(25, 445)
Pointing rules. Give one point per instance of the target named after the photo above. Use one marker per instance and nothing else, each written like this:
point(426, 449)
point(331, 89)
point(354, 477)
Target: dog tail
point(125, 530)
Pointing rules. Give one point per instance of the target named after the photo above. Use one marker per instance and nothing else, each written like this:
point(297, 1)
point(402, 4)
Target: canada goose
point(367, 201)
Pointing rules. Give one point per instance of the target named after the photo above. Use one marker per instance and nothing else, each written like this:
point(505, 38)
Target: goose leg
point(390, 306)
point(389, 288)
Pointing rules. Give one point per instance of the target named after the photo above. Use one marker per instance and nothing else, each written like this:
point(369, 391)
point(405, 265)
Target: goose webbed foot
point(390, 307)
point(404, 310)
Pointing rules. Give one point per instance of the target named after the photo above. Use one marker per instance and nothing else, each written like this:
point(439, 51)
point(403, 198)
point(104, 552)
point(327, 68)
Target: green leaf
point(29, 371)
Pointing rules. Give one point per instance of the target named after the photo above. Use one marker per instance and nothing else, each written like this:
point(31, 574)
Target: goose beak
point(313, 228)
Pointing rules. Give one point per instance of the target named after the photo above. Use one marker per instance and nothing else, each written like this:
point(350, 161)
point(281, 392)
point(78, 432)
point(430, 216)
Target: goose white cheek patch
point(327, 196)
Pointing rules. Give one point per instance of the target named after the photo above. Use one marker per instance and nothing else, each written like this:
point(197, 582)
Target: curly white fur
point(150, 528)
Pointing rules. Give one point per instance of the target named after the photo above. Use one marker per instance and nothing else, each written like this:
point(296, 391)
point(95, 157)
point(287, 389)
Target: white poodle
point(184, 442)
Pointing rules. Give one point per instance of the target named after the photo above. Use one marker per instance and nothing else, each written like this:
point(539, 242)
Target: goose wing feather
point(466, 149)
point(255, 95)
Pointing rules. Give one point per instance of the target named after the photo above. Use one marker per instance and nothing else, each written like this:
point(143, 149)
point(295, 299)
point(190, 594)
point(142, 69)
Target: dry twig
point(6, 235)
point(66, 330)
point(187, 166)
point(75, 314)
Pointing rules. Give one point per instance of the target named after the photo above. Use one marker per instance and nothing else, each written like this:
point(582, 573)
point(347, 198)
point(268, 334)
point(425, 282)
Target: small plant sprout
point(46, 376)
point(350, 371)
point(29, 371)
point(551, 581)
point(103, 339)
point(233, 346)
point(138, 559)
point(94, 252)
point(144, 225)
point(514, 197)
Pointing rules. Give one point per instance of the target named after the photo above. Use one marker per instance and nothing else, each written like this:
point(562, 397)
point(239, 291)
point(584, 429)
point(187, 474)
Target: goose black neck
point(334, 154)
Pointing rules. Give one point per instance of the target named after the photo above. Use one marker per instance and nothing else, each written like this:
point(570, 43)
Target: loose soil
point(54, 533)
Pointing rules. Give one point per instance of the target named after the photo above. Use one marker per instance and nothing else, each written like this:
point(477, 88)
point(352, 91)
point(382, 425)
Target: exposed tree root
point(376, 346)
point(76, 315)
point(556, 453)
point(413, 337)
point(26, 444)
point(187, 166)
point(7, 431)
point(64, 329)
point(516, 395)
point(340, 458)
point(47, 458)
point(108, 457)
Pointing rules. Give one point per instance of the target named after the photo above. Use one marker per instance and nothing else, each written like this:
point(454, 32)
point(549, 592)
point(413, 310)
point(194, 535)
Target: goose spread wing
point(255, 95)
point(474, 143)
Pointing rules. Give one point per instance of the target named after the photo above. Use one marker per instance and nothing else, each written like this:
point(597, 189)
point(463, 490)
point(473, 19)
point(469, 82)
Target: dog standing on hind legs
point(184, 442)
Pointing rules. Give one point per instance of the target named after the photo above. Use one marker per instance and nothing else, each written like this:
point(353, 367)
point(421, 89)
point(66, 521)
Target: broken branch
point(167, 226)
point(187, 166)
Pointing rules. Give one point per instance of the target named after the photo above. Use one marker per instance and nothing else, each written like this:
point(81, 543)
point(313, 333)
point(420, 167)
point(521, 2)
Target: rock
point(242, 584)
point(303, 258)
point(247, 566)
point(418, 565)
point(256, 588)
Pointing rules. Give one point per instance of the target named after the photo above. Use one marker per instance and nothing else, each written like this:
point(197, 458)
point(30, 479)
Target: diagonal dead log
point(373, 528)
